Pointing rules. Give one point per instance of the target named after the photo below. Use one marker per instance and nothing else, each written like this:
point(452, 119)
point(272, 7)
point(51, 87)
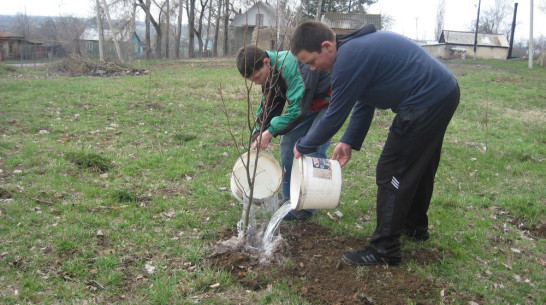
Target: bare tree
point(440, 15)
point(209, 16)
point(199, 29)
point(148, 36)
point(113, 30)
point(217, 29)
point(190, 9)
point(24, 25)
point(542, 6)
point(493, 19)
point(167, 27)
point(387, 22)
point(319, 8)
point(226, 24)
point(100, 31)
point(178, 31)
point(71, 29)
point(132, 22)
point(147, 9)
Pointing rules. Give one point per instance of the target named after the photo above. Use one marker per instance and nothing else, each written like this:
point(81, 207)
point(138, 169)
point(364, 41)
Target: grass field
point(113, 190)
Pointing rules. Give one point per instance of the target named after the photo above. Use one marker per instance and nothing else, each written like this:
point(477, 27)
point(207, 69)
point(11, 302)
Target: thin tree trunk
point(226, 24)
point(167, 28)
point(100, 32)
point(319, 8)
point(208, 29)
point(157, 27)
point(132, 29)
point(112, 30)
point(217, 29)
point(199, 30)
point(148, 36)
point(178, 30)
point(191, 28)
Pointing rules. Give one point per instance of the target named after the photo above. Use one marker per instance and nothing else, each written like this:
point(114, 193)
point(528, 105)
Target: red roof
point(4, 34)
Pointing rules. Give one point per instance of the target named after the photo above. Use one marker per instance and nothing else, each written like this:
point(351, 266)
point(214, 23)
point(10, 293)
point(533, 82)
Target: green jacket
point(293, 84)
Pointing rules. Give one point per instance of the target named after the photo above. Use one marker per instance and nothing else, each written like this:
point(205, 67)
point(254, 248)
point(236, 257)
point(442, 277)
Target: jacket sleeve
point(271, 105)
point(316, 84)
point(288, 78)
point(347, 84)
point(358, 126)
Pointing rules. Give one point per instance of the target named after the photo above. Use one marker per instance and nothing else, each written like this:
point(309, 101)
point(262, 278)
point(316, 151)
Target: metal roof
point(467, 38)
point(93, 34)
point(350, 21)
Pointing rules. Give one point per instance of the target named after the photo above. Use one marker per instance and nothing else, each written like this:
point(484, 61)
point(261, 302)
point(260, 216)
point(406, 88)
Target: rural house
point(10, 45)
point(258, 23)
point(131, 48)
point(457, 44)
point(15, 47)
point(342, 23)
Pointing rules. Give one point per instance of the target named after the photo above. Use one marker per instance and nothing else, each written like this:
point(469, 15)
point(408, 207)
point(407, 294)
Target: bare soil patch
point(317, 272)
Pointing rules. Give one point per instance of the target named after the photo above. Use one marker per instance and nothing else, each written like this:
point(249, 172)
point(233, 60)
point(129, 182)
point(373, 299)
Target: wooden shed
point(10, 45)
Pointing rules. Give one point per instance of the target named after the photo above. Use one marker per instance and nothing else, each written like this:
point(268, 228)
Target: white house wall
point(445, 51)
point(249, 18)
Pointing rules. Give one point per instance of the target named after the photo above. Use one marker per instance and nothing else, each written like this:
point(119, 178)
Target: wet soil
point(317, 272)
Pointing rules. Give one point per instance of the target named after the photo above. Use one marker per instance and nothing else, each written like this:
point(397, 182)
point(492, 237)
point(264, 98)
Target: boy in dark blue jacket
point(377, 69)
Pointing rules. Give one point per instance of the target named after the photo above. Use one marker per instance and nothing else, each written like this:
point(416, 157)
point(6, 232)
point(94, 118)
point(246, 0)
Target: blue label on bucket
point(322, 168)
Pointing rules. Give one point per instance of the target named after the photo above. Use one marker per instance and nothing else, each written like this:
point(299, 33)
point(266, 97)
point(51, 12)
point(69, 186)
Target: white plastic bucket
point(315, 183)
point(267, 181)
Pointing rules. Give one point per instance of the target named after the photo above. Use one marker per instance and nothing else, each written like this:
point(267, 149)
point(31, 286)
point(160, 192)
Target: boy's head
point(253, 64)
point(314, 43)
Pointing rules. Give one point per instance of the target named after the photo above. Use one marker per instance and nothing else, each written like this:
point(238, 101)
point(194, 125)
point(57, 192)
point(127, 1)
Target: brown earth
point(317, 272)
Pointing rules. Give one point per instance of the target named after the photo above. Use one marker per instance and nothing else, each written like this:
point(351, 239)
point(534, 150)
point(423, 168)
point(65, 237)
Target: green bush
point(89, 160)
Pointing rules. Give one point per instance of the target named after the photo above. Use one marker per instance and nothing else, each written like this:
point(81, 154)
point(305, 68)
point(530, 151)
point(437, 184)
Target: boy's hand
point(263, 140)
point(342, 153)
point(297, 154)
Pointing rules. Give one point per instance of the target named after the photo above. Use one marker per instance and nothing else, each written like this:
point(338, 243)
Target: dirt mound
point(322, 277)
point(75, 65)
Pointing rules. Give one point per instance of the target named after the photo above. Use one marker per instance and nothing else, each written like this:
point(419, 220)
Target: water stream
point(261, 240)
point(273, 225)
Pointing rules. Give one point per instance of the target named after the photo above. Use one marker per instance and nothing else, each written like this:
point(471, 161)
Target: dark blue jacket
point(377, 69)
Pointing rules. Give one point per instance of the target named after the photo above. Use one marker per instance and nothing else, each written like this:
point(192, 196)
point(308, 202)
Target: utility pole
point(512, 31)
point(531, 41)
point(476, 31)
point(416, 30)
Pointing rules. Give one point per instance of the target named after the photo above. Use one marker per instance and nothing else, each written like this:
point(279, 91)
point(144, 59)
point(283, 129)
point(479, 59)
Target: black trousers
point(405, 172)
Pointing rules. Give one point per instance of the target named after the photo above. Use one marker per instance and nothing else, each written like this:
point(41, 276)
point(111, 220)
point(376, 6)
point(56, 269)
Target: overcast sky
point(414, 19)
point(417, 18)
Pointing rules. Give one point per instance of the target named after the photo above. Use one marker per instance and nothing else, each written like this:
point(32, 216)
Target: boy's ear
point(266, 61)
point(327, 44)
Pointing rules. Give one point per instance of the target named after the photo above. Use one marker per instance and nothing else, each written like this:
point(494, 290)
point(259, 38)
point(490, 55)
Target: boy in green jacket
point(285, 82)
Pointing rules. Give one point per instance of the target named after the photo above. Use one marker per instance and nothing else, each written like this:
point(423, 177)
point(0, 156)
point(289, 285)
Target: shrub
point(89, 160)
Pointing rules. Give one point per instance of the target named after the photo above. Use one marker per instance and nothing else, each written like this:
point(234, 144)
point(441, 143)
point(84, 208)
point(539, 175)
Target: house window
point(89, 46)
point(259, 19)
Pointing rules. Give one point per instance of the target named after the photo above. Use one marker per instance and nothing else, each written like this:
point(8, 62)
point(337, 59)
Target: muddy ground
point(318, 273)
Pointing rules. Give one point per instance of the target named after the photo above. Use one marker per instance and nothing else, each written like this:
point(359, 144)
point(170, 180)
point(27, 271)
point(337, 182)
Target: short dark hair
point(310, 35)
point(249, 59)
